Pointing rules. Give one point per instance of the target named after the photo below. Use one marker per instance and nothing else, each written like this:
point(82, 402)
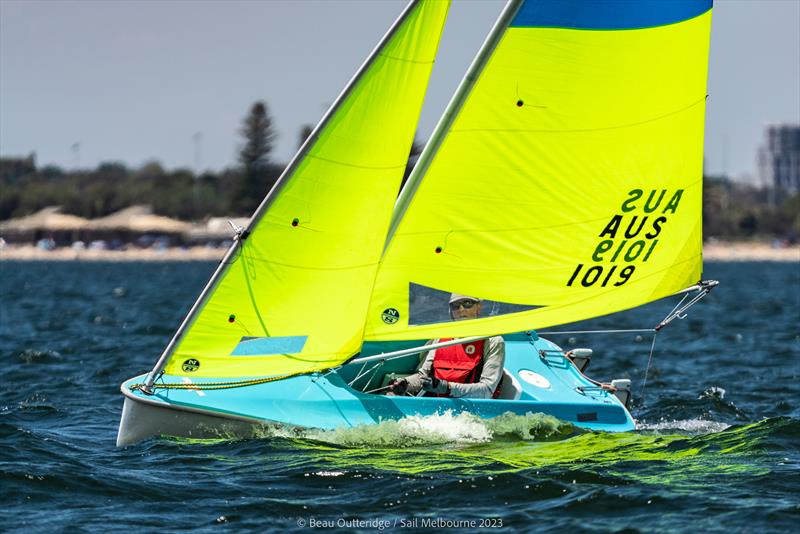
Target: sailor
point(471, 370)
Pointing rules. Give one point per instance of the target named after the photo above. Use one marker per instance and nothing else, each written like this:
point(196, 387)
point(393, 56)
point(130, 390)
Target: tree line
point(730, 210)
point(179, 193)
point(734, 210)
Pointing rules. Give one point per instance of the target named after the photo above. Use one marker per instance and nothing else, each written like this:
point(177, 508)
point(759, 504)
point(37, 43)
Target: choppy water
point(719, 448)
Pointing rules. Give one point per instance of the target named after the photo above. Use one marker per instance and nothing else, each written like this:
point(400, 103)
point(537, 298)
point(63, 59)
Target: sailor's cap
point(455, 297)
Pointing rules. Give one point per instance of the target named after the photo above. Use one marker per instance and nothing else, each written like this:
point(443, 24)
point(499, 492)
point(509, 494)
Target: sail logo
point(390, 316)
point(627, 238)
point(191, 365)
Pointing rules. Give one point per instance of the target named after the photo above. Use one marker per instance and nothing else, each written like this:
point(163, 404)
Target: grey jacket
point(494, 359)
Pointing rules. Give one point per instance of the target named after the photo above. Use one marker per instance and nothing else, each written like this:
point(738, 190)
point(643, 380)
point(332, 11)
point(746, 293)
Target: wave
point(438, 429)
point(461, 444)
point(40, 356)
point(462, 430)
point(687, 426)
point(710, 405)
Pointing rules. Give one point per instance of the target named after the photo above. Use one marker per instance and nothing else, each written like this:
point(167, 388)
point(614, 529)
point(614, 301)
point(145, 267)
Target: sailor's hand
point(434, 385)
point(399, 386)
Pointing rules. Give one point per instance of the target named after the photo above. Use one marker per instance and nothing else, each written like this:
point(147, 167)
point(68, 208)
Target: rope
point(216, 385)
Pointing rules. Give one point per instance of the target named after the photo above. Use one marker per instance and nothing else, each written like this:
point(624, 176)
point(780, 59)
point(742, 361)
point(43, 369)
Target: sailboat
point(563, 182)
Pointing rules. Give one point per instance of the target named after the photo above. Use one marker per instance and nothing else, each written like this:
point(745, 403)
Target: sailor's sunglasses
point(466, 304)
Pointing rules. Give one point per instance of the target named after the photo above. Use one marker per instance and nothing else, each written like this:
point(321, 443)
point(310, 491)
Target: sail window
point(427, 305)
point(263, 346)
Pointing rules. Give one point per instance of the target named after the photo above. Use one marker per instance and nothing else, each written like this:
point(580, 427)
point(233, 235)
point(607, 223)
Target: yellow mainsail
point(293, 295)
point(567, 174)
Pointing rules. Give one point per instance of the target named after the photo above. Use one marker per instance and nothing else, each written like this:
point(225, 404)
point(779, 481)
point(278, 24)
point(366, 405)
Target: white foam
point(414, 430)
point(443, 428)
point(691, 426)
point(713, 392)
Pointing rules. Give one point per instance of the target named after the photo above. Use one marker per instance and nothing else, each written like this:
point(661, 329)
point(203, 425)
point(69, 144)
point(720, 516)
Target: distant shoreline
point(749, 251)
point(716, 251)
point(32, 253)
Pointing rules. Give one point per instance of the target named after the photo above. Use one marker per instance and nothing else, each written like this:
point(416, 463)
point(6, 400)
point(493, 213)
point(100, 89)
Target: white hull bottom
point(142, 420)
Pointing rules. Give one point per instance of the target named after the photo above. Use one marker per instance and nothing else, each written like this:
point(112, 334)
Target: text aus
point(627, 238)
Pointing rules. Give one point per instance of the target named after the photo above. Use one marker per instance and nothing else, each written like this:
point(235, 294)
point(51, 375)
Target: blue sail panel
point(607, 14)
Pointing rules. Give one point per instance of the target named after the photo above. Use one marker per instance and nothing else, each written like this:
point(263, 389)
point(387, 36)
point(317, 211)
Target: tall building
point(779, 158)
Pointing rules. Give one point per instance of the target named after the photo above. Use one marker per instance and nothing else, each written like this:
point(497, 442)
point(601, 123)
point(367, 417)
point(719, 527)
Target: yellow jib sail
point(294, 295)
point(566, 176)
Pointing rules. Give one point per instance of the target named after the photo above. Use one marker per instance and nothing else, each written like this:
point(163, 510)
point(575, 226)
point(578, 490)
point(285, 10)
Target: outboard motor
point(623, 391)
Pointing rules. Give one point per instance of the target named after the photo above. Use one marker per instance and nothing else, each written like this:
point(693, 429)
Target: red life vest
point(461, 364)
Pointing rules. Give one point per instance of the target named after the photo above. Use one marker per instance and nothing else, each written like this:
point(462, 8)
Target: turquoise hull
point(539, 379)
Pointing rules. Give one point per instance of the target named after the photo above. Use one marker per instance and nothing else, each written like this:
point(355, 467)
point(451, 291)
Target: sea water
point(718, 447)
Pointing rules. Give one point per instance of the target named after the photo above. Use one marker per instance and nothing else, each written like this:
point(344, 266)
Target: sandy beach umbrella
point(139, 219)
point(49, 218)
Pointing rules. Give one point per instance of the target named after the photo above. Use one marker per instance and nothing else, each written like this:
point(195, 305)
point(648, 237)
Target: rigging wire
point(679, 312)
point(678, 305)
point(647, 368)
point(635, 330)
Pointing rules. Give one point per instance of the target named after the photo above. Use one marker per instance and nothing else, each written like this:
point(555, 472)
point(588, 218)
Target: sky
point(82, 82)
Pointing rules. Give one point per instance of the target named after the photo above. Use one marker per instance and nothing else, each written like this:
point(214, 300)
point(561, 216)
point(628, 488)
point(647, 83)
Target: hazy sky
point(132, 81)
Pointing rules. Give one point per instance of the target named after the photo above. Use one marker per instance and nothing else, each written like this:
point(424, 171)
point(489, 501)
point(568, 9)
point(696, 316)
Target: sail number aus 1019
point(593, 274)
point(619, 244)
point(623, 251)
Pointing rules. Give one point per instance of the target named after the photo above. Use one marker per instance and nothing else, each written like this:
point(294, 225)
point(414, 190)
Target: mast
point(450, 113)
point(290, 169)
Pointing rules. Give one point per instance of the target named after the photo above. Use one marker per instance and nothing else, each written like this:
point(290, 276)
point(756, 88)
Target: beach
point(32, 253)
point(749, 251)
point(713, 251)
